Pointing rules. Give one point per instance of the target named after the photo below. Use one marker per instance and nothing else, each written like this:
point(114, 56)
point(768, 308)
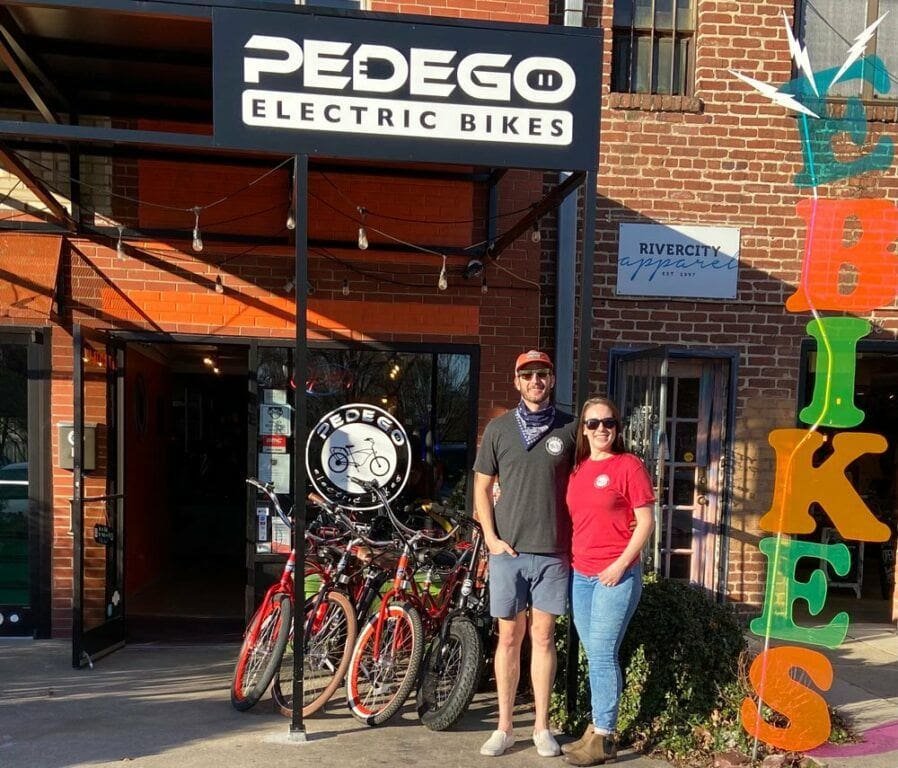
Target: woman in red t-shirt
point(610, 499)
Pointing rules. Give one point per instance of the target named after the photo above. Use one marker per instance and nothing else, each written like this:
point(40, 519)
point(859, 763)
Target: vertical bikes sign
point(358, 441)
point(840, 232)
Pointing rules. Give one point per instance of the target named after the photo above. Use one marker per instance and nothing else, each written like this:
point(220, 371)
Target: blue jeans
point(601, 616)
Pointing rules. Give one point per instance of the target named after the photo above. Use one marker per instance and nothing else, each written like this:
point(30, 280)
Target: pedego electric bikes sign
point(358, 442)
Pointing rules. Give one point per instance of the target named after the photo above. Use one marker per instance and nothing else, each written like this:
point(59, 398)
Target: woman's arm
point(645, 524)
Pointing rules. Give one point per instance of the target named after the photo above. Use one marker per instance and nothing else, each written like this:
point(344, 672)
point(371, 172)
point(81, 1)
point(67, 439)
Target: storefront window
point(432, 394)
point(14, 566)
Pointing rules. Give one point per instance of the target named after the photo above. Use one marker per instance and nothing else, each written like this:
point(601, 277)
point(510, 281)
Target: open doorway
point(185, 438)
point(867, 591)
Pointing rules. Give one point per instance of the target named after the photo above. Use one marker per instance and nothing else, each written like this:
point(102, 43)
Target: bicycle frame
point(432, 609)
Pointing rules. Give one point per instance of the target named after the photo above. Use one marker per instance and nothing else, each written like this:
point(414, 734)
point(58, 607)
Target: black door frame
point(95, 642)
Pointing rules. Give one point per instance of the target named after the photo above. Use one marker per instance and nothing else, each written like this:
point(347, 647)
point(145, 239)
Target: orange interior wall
point(147, 513)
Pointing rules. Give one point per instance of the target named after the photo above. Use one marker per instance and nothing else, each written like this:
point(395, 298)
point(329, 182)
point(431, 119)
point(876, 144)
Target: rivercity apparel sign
point(679, 261)
point(787, 677)
point(406, 89)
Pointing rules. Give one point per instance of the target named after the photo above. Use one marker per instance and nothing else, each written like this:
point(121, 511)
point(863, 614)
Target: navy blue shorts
point(516, 583)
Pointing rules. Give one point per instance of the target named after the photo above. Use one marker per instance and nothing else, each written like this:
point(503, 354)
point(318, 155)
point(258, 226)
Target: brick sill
point(655, 102)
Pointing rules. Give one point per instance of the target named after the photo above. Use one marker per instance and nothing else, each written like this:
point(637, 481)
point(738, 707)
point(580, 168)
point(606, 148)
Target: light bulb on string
point(443, 282)
point(363, 234)
point(483, 286)
point(119, 247)
point(197, 237)
point(345, 287)
point(536, 235)
point(219, 284)
point(291, 217)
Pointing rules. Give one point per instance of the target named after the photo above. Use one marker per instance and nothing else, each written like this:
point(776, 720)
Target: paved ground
point(167, 706)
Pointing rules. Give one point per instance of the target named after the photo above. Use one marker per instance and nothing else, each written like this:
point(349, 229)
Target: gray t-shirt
point(531, 514)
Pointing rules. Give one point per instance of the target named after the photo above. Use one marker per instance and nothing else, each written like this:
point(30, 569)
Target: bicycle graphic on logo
point(343, 456)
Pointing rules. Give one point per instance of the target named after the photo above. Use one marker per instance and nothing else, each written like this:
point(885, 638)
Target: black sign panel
point(399, 88)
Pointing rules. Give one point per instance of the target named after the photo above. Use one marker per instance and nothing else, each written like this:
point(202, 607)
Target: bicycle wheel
point(379, 466)
point(337, 462)
point(263, 645)
point(327, 648)
point(450, 675)
point(376, 688)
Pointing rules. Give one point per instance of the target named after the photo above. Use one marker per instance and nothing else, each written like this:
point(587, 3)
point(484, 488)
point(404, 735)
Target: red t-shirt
point(601, 497)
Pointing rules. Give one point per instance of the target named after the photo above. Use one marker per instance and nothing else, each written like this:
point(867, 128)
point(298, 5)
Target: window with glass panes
point(828, 29)
point(653, 46)
point(432, 393)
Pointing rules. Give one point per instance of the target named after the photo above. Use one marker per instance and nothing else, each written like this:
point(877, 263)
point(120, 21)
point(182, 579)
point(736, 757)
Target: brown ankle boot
point(575, 745)
point(597, 749)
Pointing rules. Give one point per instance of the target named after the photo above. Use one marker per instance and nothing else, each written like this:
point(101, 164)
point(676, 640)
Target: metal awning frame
point(41, 92)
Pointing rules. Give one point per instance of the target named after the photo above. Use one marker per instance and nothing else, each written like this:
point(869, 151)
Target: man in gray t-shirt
point(529, 451)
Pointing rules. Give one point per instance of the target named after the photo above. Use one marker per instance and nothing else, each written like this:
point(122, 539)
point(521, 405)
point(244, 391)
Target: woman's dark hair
point(582, 449)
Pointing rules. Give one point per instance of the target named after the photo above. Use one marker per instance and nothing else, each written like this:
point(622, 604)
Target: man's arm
point(483, 512)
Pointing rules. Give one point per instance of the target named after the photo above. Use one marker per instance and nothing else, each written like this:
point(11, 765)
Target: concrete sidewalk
point(162, 706)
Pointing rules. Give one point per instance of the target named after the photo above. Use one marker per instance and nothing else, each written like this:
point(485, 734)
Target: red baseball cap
point(533, 356)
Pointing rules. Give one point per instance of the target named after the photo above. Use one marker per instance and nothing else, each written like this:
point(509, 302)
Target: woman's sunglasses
point(608, 423)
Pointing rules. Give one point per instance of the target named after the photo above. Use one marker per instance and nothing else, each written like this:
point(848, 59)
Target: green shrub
point(681, 661)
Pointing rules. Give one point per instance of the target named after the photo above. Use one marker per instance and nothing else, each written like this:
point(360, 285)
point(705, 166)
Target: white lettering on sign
point(314, 112)
point(483, 76)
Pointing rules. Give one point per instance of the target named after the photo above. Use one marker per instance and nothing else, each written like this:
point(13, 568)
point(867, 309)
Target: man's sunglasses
point(592, 424)
point(542, 373)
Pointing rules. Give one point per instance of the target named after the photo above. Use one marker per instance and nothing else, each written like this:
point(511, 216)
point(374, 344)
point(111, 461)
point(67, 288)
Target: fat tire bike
point(454, 661)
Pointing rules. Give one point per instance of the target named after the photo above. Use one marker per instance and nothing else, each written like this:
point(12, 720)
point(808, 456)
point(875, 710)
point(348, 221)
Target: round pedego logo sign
point(358, 441)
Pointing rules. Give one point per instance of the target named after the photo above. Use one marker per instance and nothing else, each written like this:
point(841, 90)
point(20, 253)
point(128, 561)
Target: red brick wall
point(165, 286)
point(728, 157)
point(486, 10)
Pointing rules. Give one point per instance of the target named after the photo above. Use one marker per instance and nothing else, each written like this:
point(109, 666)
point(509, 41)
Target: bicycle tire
point(337, 462)
point(379, 466)
point(450, 675)
point(263, 645)
point(331, 640)
point(376, 690)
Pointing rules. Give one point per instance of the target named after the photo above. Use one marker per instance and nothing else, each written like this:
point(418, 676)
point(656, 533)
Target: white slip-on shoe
point(497, 743)
point(546, 746)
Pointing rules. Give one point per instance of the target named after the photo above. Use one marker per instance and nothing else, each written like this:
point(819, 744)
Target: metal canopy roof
point(93, 61)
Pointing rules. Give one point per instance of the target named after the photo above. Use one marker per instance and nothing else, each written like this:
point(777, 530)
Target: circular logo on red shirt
point(602, 481)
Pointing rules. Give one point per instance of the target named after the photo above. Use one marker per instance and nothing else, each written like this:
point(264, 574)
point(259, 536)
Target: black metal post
point(300, 374)
point(77, 507)
point(582, 393)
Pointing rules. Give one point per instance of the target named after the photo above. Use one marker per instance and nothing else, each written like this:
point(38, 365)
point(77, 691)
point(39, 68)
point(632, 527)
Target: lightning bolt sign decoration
point(787, 678)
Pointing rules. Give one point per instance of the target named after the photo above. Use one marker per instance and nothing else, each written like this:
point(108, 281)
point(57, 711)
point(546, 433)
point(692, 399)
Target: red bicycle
point(354, 573)
point(388, 654)
point(329, 633)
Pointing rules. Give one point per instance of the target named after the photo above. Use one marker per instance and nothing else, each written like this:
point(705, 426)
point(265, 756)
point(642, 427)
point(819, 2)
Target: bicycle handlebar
point(268, 490)
point(318, 501)
point(404, 530)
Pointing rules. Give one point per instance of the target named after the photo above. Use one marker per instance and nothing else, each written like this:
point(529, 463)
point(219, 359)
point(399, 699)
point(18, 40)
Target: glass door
point(639, 387)
point(98, 612)
point(691, 494)
point(674, 411)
